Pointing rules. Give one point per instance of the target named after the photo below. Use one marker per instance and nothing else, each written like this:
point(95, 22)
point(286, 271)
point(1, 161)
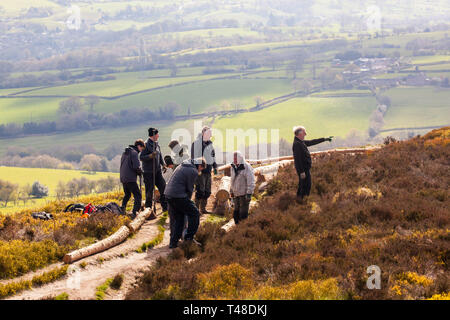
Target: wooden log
point(137, 223)
point(223, 193)
point(272, 168)
point(113, 240)
point(313, 154)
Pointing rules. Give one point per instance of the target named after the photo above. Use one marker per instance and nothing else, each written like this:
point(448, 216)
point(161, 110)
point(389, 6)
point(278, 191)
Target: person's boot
point(299, 199)
point(203, 203)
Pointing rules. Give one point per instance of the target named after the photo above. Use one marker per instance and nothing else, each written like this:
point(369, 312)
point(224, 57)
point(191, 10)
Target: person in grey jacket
point(130, 168)
point(242, 186)
point(152, 161)
point(203, 147)
point(179, 193)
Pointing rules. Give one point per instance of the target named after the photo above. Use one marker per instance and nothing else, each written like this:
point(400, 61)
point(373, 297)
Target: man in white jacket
point(242, 186)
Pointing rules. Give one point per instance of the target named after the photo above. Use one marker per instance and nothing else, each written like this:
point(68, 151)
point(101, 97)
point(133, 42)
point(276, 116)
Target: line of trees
point(73, 118)
point(83, 186)
point(11, 192)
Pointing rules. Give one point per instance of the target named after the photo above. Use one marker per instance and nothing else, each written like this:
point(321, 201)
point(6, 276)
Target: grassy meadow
point(47, 177)
point(321, 116)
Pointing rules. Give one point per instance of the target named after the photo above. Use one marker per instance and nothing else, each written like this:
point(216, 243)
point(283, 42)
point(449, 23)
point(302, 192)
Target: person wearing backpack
point(242, 186)
point(130, 169)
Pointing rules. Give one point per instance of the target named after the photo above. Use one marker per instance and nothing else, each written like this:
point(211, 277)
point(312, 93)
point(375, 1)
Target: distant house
point(418, 80)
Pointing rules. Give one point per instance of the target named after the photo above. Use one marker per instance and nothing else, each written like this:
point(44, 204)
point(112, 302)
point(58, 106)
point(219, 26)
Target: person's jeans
point(160, 183)
point(304, 185)
point(178, 209)
point(241, 206)
point(203, 186)
point(132, 188)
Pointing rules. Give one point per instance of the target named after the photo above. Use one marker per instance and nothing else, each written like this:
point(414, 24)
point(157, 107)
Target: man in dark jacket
point(130, 168)
point(203, 147)
point(152, 161)
point(302, 159)
point(179, 193)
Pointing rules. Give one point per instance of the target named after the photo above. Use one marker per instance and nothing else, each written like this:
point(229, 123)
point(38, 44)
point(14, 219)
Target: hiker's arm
point(192, 150)
point(213, 155)
point(313, 142)
point(136, 165)
point(145, 155)
point(250, 180)
point(190, 185)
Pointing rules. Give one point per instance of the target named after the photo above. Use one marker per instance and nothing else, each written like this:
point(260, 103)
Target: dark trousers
point(304, 185)
point(178, 209)
point(203, 186)
point(241, 205)
point(160, 183)
point(132, 188)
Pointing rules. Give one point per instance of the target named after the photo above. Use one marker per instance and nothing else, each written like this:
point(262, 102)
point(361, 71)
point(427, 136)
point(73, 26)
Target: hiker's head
point(139, 144)
point(206, 133)
point(300, 132)
point(169, 162)
point(153, 134)
point(200, 163)
point(238, 158)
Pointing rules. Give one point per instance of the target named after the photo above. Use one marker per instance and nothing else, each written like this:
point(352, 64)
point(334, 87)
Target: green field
point(198, 96)
point(47, 177)
point(321, 116)
point(98, 138)
point(418, 107)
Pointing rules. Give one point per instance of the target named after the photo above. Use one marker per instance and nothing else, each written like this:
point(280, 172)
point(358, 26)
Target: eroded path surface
point(93, 271)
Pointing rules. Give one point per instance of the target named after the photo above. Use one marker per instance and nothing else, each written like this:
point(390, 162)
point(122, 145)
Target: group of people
point(177, 178)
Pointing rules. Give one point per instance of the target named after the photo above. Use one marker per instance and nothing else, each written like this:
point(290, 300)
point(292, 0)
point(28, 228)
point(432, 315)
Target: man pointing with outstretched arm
point(302, 160)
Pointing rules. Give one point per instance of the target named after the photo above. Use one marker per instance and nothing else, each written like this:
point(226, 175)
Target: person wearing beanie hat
point(302, 161)
point(203, 147)
point(152, 162)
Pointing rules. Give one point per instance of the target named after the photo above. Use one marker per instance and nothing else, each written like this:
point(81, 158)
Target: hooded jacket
point(302, 157)
point(147, 162)
point(181, 183)
point(204, 149)
point(130, 167)
point(242, 177)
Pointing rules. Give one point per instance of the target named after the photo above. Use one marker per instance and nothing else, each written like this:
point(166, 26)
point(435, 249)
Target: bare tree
point(91, 101)
point(70, 106)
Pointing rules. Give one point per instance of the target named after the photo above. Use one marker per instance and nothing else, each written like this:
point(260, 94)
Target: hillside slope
point(388, 208)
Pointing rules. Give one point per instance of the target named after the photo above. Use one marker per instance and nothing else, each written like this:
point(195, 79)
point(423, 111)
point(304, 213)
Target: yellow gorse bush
point(18, 257)
point(225, 282)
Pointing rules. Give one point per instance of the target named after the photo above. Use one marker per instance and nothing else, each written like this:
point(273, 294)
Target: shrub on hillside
point(38, 190)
